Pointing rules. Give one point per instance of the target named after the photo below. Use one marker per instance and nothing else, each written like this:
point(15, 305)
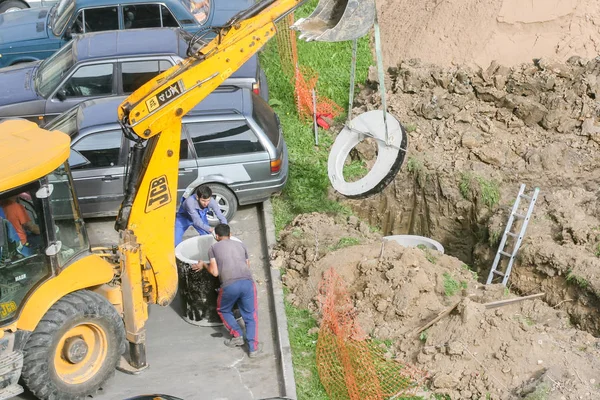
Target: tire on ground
point(226, 198)
point(75, 310)
point(7, 5)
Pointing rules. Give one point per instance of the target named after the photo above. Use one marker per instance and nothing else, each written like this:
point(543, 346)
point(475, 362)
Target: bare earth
point(475, 32)
point(493, 94)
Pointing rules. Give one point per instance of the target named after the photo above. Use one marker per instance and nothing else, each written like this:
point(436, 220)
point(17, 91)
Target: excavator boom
point(151, 117)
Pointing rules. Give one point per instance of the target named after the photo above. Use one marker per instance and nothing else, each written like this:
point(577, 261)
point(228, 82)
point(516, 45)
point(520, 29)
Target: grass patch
point(355, 170)
point(410, 128)
point(474, 274)
point(597, 252)
point(428, 254)
point(494, 237)
point(344, 242)
point(489, 190)
point(577, 280)
point(451, 285)
point(541, 392)
point(413, 165)
point(308, 183)
point(423, 336)
point(308, 385)
point(464, 186)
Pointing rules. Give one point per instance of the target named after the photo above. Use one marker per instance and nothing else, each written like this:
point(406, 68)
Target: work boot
point(234, 341)
point(255, 353)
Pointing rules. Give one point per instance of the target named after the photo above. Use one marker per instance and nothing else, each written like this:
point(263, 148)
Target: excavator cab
point(45, 261)
point(40, 225)
point(337, 21)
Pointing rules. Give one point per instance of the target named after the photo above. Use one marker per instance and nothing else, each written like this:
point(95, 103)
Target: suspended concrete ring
point(389, 156)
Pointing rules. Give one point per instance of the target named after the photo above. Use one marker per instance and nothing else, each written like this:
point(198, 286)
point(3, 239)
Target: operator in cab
point(193, 211)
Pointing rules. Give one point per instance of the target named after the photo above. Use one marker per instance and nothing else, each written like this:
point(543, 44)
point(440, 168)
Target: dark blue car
point(35, 34)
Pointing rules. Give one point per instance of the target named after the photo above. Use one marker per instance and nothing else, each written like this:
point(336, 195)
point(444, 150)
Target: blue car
point(35, 34)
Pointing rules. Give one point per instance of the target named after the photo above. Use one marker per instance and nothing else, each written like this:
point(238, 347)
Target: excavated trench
point(474, 137)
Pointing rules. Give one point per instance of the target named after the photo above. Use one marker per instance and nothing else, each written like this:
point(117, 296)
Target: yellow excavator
point(69, 312)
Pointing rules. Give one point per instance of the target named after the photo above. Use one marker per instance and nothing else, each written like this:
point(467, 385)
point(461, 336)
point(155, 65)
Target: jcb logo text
point(158, 194)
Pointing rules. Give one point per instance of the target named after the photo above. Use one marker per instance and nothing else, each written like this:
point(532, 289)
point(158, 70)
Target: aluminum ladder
point(514, 215)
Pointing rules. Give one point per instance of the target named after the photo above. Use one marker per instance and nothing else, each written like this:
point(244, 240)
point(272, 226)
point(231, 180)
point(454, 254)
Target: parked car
point(99, 65)
point(232, 140)
point(36, 34)
point(16, 5)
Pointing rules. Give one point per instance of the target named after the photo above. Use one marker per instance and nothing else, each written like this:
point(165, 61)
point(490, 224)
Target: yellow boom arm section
point(151, 116)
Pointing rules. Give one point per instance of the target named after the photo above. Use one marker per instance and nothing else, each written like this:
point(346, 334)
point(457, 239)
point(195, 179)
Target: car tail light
point(275, 166)
point(256, 88)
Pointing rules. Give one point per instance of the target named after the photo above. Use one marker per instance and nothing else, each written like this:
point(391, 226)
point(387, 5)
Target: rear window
point(266, 119)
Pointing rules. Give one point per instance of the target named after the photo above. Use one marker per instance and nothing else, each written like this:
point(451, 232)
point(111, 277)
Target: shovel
point(337, 21)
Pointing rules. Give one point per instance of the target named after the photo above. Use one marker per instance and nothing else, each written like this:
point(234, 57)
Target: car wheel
point(12, 5)
point(226, 200)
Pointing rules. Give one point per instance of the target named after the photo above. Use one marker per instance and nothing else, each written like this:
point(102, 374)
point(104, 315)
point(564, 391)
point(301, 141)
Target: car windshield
point(199, 8)
point(61, 16)
point(51, 71)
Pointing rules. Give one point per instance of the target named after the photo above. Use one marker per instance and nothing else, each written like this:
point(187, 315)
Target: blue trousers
point(181, 225)
point(244, 294)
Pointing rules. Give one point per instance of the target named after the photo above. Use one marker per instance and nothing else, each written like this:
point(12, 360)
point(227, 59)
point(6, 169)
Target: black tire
point(227, 201)
point(7, 5)
point(73, 311)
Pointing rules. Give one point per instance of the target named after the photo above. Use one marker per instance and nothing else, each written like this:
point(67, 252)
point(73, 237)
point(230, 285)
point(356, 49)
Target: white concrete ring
point(389, 158)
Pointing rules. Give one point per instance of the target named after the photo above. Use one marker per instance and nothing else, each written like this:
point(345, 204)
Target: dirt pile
point(528, 348)
point(474, 136)
point(477, 32)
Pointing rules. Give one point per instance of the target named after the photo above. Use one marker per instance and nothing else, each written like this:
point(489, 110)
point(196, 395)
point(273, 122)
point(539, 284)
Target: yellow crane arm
point(151, 117)
point(151, 109)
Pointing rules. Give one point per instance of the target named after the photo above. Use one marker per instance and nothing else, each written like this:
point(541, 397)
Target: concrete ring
point(389, 158)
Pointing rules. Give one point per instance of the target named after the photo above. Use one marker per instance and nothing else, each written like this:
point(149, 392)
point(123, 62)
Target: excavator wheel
point(75, 348)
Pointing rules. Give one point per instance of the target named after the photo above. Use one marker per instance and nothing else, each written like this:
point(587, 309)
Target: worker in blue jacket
point(193, 212)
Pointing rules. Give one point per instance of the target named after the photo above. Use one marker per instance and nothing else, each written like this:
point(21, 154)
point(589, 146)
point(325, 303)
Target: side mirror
point(45, 191)
point(61, 94)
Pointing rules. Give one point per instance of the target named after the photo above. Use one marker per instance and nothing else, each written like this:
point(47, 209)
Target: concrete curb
point(285, 350)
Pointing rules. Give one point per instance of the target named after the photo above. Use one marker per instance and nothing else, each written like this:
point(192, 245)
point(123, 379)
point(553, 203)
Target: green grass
point(308, 385)
point(423, 336)
point(541, 392)
point(414, 165)
point(451, 285)
point(597, 252)
point(344, 242)
point(355, 170)
point(489, 190)
point(410, 128)
point(308, 183)
point(577, 280)
point(474, 274)
point(494, 237)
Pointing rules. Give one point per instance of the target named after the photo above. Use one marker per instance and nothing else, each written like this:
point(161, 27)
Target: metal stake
point(314, 97)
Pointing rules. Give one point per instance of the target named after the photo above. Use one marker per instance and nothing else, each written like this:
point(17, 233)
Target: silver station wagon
point(231, 141)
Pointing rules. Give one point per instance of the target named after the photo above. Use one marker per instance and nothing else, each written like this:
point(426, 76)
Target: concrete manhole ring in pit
point(389, 158)
point(415, 241)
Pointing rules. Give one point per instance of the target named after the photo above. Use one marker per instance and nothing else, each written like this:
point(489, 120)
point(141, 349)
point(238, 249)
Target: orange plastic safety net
point(351, 365)
point(304, 79)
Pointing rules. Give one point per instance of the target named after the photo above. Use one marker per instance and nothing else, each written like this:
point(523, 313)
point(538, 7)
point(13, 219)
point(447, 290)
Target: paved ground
point(191, 362)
